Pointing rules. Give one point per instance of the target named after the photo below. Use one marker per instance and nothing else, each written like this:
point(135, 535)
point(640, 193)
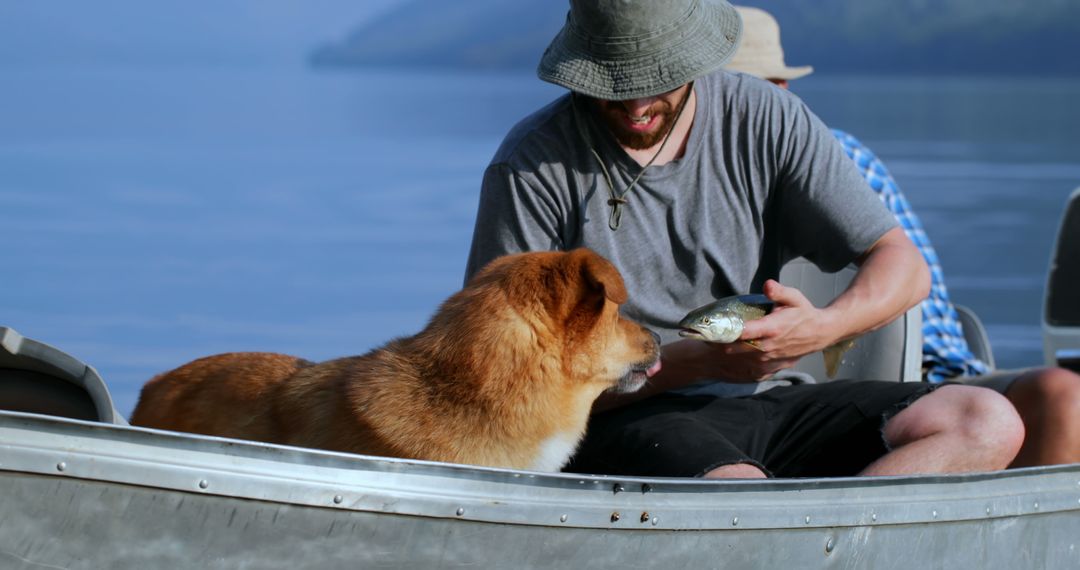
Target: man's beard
point(613, 113)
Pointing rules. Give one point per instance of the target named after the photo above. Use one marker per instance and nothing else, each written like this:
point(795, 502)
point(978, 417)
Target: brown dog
point(504, 375)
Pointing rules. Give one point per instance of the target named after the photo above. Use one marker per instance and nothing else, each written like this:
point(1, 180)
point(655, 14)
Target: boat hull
point(79, 494)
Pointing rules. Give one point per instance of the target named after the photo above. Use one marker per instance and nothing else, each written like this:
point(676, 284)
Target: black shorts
point(807, 430)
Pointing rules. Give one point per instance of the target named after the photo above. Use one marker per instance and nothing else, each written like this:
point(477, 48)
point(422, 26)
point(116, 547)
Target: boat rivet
point(934, 514)
point(807, 519)
point(735, 521)
point(338, 499)
point(61, 466)
point(873, 516)
point(645, 516)
point(204, 484)
point(830, 545)
point(1036, 505)
point(655, 521)
point(460, 511)
point(618, 488)
point(988, 511)
point(645, 487)
point(615, 517)
point(562, 518)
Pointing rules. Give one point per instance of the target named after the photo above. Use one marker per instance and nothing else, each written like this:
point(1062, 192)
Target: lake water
point(151, 216)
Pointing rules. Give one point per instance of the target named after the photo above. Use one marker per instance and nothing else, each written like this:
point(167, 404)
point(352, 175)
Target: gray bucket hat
point(626, 49)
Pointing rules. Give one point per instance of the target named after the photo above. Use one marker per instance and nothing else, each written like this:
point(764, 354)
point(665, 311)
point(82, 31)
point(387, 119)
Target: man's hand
point(793, 329)
point(892, 277)
point(689, 361)
point(738, 361)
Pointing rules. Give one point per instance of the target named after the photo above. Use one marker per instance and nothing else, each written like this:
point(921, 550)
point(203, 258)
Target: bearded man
point(698, 184)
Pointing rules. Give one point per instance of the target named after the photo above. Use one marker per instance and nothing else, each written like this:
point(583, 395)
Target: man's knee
point(1052, 393)
point(983, 419)
point(1048, 400)
point(736, 471)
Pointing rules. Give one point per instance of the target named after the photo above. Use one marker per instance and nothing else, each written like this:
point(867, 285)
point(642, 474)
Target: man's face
point(639, 124)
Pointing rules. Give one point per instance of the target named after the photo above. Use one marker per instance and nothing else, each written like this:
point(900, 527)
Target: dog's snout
point(655, 336)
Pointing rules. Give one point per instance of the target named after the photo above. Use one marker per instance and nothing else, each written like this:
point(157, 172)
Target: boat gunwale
point(39, 445)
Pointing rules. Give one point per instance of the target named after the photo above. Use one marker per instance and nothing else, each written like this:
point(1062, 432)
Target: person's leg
point(1048, 400)
point(670, 435)
point(832, 429)
point(950, 430)
point(736, 471)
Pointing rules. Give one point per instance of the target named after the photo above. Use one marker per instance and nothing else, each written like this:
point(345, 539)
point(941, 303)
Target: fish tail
point(834, 356)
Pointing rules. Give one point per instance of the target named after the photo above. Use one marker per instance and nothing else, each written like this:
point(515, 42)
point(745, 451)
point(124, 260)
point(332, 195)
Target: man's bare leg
point(1048, 400)
point(951, 430)
point(736, 471)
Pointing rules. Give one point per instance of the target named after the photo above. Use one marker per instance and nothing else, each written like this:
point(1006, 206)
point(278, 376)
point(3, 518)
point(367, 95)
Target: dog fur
point(503, 375)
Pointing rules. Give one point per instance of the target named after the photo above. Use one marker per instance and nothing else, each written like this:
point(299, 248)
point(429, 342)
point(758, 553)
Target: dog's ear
point(600, 274)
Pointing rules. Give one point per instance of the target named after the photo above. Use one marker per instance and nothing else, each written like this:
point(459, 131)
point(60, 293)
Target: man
point(699, 184)
point(1047, 399)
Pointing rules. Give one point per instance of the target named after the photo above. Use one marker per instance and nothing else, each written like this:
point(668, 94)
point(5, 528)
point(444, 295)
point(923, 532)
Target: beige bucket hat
point(760, 53)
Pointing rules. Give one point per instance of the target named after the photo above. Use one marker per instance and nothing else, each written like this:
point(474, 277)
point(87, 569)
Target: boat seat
point(1061, 305)
point(37, 378)
point(892, 353)
point(975, 335)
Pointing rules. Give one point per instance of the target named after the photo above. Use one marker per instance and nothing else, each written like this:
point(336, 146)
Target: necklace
point(615, 199)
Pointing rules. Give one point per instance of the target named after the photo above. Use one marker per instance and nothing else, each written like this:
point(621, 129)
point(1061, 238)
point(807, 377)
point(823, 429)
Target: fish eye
point(705, 320)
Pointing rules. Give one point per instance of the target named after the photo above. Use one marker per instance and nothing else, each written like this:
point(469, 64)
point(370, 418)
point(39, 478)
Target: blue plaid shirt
point(945, 352)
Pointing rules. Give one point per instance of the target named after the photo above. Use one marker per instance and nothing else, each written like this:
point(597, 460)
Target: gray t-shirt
point(762, 181)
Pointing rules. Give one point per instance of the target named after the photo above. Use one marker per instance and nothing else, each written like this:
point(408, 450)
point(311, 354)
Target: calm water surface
point(152, 216)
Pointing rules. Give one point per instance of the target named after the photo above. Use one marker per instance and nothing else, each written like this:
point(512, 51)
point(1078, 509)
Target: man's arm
point(689, 361)
point(945, 351)
point(892, 277)
point(829, 215)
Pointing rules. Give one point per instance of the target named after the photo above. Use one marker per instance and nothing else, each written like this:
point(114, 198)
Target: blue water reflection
point(152, 216)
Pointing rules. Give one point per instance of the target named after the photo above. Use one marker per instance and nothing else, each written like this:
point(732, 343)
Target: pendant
point(616, 212)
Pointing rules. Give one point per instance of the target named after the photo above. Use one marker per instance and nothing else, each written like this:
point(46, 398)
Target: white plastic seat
point(1061, 314)
point(975, 335)
point(37, 378)
point(892, 353)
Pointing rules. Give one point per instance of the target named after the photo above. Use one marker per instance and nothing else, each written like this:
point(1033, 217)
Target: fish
point(722, 322)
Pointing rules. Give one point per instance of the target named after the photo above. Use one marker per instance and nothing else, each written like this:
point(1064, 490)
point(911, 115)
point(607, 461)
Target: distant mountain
point(880, 36)
point(469, 33)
